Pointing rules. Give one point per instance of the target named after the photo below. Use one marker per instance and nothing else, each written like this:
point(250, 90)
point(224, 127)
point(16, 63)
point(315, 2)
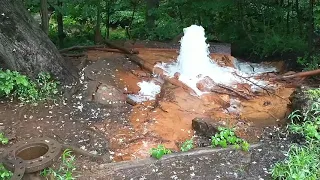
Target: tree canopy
point(255, 28)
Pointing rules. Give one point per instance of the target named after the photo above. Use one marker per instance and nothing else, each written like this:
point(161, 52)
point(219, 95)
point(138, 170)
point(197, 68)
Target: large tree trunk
point(26, 48)
point(44, 16)
point(61, 34)
point(150, 17)
point(97, 32)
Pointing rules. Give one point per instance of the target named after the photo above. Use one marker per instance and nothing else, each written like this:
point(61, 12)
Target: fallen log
point(299, 74)
point(75, 48)
point(123, 49)
point(73, 55)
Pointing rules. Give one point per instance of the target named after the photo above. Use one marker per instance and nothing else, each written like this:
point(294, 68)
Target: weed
point(187, 145)
point(159, 151)
point(226, 137)
point(301, 163)
point(66, 169)
point(4, 173)
point(309, 63)
point(313, 93)
point(12, 83)
point(3, 139)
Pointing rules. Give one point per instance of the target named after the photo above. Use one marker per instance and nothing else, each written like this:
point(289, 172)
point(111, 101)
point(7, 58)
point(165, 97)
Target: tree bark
point(24, 47)
point(150, 17)
point(61, 34)
point(44, 16)
point(97, 32)
point(108, 11)
point(311, 28)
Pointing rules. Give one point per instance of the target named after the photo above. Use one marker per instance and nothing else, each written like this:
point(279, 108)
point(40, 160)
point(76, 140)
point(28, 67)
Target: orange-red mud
point(170, 123)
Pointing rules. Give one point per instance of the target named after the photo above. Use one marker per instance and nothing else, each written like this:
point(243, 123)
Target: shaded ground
point(125, 132)
point(204, 163)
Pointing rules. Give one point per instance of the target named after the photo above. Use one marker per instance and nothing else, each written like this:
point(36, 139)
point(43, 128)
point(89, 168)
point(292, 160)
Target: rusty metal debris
point(31, 156)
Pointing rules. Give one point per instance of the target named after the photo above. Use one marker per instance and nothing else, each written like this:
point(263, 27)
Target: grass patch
point(302, 161)
point(66, 169)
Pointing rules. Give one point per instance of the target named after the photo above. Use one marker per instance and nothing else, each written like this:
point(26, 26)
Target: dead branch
point(247, 79)
point(74, 48)
point(300, 74)
point(123, 49)
point(73, 55)
point(241, 94)
point(267, 90)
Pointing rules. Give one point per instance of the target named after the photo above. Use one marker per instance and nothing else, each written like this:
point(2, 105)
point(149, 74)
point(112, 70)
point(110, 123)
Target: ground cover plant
point(226, 137)
point(302, 160)
point(13, 84)
point(4, 173)
point(65, 170)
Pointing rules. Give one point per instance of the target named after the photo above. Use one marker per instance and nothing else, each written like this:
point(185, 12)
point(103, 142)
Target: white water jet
point(194, 63)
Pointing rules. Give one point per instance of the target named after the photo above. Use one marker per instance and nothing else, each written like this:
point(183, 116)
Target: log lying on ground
point(299, 74)
point(115, 48)
point(75, 48)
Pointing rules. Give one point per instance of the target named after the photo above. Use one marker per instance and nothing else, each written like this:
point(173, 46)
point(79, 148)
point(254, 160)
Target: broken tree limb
point(75, 48)
point(300, 74)
point(241, 94)
point(123, 49)
point(73, 55)
point(269, 91)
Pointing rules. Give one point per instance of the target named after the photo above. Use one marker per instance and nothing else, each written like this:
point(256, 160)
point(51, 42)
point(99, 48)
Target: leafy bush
point(311, 63)
point(227, 137)
point(187, 145)
point(12, 83)
point(159, 151)
point(314, 93)
point(302, 161)
point(66, 169)
point(4, 173)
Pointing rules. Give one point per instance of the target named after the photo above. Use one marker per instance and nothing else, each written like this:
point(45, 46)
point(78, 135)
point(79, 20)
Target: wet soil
point(99, 120)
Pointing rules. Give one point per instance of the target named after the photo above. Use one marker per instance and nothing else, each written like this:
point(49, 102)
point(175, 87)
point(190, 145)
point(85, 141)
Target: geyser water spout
point(194, 63)
point(194, 52)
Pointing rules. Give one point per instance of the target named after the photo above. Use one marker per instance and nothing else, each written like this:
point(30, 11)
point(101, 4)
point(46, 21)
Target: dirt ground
point(99, 120)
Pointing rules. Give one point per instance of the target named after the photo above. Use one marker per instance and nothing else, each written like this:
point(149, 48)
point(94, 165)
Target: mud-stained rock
point(301, 99)
point(205, 126)
point(109, 95)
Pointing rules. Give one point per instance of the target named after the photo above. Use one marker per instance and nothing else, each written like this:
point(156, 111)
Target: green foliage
point(159, 151)
point(301, 163)
point(309, 63)
point(314, 93)
point(3, 139)
point(187, 145)
point(4, 173)
point(12, 83)
point(307, 124)
point(66, 169)
point(227, 137)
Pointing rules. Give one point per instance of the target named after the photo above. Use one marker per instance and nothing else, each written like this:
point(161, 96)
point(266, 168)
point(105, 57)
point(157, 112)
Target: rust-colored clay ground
point(171, 124)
